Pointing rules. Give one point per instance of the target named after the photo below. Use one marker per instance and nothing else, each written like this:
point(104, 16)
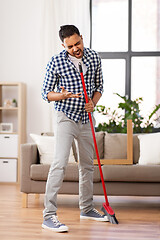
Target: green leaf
point(157, 107)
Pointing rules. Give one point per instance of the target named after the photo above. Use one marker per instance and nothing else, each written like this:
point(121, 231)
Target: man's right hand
point(55, 96)
point(67, 94)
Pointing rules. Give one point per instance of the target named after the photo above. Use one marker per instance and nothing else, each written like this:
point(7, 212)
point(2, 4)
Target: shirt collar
point(85, 58)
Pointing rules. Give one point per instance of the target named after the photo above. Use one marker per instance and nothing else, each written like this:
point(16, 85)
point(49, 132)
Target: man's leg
point(63, 142)
point(86, 168)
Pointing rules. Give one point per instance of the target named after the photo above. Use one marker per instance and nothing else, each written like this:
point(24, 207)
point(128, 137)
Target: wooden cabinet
point(13, 126)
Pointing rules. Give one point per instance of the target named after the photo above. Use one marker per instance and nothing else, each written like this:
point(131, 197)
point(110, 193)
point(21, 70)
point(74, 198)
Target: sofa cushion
point(100, 144)
point(115, 146)
point(131, 173)
point(149, 148)
point(39, 172)
point(136, 148)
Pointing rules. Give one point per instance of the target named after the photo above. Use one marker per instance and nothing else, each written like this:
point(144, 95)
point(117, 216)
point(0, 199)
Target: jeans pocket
point(60, 117)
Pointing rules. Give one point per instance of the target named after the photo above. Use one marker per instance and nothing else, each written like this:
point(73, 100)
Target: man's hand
point(67, 94)
point(89, 107)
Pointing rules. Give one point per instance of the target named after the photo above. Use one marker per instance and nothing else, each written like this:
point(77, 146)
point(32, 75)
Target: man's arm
point(96, 97)
point(89, 107)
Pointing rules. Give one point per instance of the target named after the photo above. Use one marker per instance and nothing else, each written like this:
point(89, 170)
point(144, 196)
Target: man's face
point(74, 45)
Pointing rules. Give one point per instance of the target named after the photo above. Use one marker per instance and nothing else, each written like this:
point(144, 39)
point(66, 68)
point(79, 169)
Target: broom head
point(109, 213)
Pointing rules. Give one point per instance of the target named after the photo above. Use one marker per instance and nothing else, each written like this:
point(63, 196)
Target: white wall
point(21, 57)
point(24, 38)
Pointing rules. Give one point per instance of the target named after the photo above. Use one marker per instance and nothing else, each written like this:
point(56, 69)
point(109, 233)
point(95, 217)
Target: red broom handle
point(94, 137)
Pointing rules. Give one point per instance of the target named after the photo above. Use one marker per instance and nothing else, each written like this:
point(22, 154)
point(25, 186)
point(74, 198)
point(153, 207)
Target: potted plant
point(14, 103)
point(117, 123)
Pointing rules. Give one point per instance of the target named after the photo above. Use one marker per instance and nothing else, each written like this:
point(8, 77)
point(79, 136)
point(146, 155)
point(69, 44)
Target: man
point(63, 85)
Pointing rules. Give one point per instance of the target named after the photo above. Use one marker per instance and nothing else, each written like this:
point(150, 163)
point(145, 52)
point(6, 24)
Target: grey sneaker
point(54, 224)
point(94, 215)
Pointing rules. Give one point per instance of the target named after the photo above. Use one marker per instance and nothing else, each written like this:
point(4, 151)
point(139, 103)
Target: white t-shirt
point(76, 62)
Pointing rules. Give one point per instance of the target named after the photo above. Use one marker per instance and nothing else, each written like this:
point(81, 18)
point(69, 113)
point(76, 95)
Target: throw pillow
point(115, 146)
point(45, 145)
point(100, 144)
point(149, 149)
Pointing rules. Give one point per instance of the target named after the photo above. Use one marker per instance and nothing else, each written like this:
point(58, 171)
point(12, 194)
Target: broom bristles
point(112, 218)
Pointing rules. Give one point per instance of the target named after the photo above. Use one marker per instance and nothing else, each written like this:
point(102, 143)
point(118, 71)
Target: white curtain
point(57, 13)
point(62, 12)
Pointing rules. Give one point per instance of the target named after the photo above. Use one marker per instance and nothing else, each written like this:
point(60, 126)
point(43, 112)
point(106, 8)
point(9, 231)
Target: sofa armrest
point(28, 156)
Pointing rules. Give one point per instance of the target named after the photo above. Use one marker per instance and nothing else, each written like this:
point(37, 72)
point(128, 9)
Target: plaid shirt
point(62, 72)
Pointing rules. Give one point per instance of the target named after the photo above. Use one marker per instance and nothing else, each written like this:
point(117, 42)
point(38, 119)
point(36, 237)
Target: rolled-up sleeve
point(99, 77)
point(50, 80)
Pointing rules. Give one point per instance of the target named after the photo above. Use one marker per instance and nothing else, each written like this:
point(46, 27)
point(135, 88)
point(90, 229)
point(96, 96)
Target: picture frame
point(6, 127)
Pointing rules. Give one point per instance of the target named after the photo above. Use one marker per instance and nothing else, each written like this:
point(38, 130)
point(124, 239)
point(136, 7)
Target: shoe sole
point(62, 229)
point(105, 219)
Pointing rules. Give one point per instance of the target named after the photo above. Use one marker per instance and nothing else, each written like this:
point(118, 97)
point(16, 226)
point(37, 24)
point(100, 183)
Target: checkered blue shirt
point(62, 72)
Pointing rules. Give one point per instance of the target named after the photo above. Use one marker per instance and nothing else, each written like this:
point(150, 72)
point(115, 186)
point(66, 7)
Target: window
point(126, 33)
point(146, 83)
point(145, 25)
point(114, 16)
point(113, 69)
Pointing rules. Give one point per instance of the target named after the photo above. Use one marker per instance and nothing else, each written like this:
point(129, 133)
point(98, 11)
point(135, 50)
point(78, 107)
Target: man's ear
point(63, 45)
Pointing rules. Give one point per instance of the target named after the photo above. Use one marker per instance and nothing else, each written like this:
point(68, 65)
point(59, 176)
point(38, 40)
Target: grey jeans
point(66, 131)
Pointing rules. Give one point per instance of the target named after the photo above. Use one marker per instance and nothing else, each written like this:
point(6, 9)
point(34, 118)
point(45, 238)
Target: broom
point(108, 211)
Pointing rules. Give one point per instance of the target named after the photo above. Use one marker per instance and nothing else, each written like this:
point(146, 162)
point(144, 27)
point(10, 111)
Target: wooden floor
point(139, 218)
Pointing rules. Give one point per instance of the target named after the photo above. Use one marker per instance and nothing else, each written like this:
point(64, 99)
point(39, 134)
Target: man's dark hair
point(67, 31)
